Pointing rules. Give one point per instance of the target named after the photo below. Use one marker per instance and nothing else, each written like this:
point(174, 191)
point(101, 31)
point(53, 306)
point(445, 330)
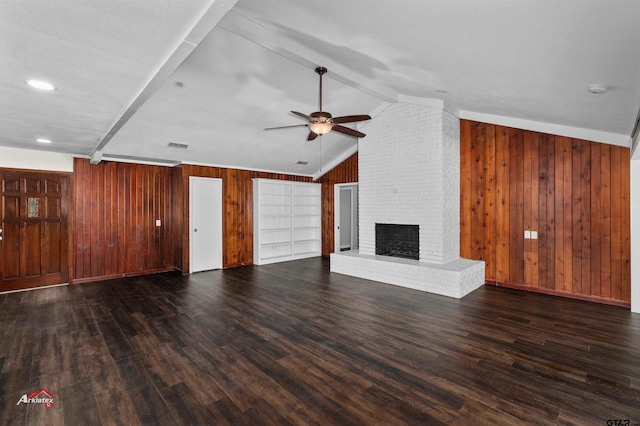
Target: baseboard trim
point(42, 287)
point(126, 274)
point(565, 294)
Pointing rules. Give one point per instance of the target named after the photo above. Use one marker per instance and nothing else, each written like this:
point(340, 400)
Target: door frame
point(217, 219)
point(336, 214)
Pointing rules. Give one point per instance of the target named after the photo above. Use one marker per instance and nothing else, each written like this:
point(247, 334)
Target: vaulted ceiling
point(133, 76)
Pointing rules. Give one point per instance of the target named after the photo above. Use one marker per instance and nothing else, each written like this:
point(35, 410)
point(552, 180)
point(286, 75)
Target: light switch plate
point(527, 234)
point(534, 235)
point(158, 222)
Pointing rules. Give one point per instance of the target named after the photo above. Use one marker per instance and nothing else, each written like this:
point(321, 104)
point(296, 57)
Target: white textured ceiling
point(113, 64)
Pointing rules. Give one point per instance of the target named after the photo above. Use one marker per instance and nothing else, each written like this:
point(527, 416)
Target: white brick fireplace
point(409, 174)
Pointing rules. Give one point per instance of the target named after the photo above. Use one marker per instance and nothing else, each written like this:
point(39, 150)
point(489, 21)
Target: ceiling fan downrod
point(320, 71)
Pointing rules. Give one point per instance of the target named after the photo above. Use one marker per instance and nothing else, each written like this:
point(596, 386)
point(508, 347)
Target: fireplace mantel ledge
point(454, 279)
point(455, 265)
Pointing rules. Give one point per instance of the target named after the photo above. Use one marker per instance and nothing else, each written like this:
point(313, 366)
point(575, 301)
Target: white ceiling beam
point(259, 34)
point(96, 157)
point(186, 44)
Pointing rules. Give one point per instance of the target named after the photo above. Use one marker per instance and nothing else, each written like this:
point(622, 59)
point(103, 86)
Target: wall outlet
point(158, 222)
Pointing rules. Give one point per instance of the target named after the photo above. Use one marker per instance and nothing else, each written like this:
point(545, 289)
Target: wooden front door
point(35, 231)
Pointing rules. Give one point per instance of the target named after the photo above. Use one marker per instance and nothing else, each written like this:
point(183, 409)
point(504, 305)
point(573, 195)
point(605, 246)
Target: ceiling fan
point(321, 122)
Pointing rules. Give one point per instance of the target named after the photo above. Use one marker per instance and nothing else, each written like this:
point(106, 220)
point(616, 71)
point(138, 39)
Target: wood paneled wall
point(237, 210)
point(116, 205)
point(115, 208)
point(574, 193)
point(345, 172)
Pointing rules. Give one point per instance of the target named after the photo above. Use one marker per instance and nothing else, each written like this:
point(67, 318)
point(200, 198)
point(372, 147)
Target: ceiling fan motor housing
point(320, 122)
point(321, 116)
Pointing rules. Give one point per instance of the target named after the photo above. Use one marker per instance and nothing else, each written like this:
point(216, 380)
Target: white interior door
point(205, 222)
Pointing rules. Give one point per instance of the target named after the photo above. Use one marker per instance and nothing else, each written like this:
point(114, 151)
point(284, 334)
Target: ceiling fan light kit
point(321, 122)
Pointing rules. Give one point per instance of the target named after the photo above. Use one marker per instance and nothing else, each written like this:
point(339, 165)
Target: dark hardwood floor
point(292, 343)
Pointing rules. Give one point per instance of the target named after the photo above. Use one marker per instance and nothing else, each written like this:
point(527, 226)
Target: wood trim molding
point(127, 274)
point(566, 294)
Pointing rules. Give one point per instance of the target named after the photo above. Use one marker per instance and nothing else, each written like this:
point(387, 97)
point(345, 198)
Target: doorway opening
point(346, 216)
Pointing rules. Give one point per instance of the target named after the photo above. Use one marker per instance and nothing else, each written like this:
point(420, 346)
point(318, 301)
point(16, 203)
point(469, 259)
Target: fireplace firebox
point(398, 240)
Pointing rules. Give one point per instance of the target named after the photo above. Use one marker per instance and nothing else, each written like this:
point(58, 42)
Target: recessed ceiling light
point(597, 89)
point(41, 85)
point(42, 140)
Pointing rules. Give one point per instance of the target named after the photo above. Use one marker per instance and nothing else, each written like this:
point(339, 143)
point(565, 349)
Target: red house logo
point(42, 396)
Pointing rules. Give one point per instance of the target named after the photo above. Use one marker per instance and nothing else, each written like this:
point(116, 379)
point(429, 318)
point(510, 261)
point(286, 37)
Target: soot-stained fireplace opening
point(398, 240)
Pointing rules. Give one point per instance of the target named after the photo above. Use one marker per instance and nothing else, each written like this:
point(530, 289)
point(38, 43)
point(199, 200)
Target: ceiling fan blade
point(351, 119)
point(286, 127)
point(348, 131)
point(299, 114)
point(312, 136)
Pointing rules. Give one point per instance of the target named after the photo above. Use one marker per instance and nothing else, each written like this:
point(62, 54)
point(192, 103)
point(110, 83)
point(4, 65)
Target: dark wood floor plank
point(185, 408)
point(197, 377)
point(225, 412)
point(291, 382)
point(115, 339)
point(294, 343)
point(72, 369)
point(116, 408)
point(155, 364)
point(85, 320)
point(241, 381)
point(151, 329)
point(96, 362)
point(20, 353)
point(80, 405)
point(7, 326)
point(571, 419)
point(262, 413)
point(12, 387)
point(146, 399)
point(478, 413)
point(38, 414)
point(404, 410)
point(47, 354)
point(122, 314)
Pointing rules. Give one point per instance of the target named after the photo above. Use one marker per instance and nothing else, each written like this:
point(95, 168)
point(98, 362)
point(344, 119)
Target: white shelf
point(287, 220)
